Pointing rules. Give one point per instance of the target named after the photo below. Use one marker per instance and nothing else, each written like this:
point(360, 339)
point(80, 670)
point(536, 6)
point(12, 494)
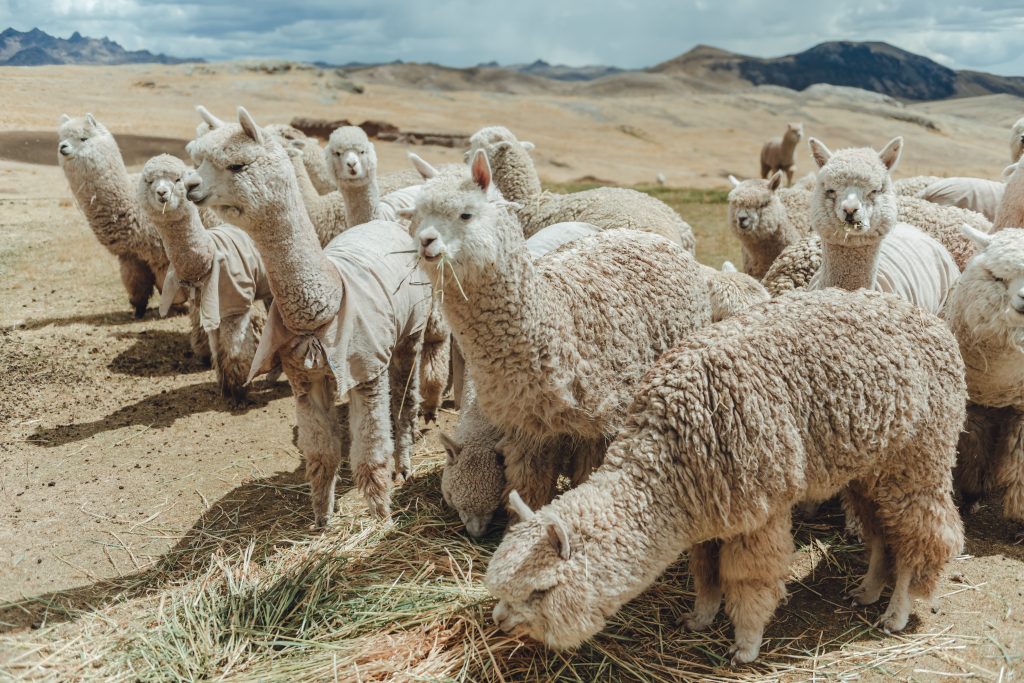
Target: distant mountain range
point(36, 48)
point(873, 66)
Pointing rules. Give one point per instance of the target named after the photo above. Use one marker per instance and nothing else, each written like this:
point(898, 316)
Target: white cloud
point(983, 35)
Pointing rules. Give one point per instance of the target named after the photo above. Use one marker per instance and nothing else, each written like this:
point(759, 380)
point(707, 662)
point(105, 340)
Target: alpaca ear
point(734, 181)
point(1009, 170)
point(519, 506)
point(211, 120)
point(977, 236)
point(480, 169)
point(91, 120)
point(451, 445)
point(64, 118)
point(890, 154)
point(819, 151)
point(775, 181)
point(406, 213)
point(249, 125)
point(728, 267)
point(425, 170)
point(527, 145)
point(558, 537)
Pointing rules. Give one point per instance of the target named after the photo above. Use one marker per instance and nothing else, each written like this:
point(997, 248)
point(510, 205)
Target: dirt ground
point(115, 447)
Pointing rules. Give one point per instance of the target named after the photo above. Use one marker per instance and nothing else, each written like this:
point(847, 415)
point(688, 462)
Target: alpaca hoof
point(893, 623)
point(429, 416)
point(398, 478)
point(380, 509)
point(693, 621)
point(861, 596)
point(320, 523)
point(743, 655)
point(140, 312)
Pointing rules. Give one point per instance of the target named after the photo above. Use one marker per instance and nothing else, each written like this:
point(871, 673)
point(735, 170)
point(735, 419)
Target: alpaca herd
point(683, 408)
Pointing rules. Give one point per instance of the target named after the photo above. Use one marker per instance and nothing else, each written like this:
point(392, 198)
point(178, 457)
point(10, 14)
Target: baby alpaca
point(766, 220)
point(777, 153)
point(345, 319)
point(105, 193)
point(219, 268)
point(986, 312)
point(693, 468)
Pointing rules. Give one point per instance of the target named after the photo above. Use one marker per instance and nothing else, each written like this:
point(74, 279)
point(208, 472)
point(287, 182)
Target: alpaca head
point(755, 212)
point(352, 156)
point(516, 176)
point(1017, 141)
point(83, 141)
point(541, 581)
point(794, 131)
point(988, 298)
point(241, 172)
point(854, 201)
point(473, 481)
point(162, 186)
point(457, 217)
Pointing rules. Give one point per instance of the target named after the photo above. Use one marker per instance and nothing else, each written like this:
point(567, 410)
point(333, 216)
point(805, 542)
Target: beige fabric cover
point(386, 299)
point(913, 266)
point(235, 281)
point(976, 194)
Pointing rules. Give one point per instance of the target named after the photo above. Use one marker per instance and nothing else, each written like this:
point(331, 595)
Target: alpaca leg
point(460, 378)
point(139, 281)
point(434, 364)
point(319, 441)
point(765, 170)
point(369, 414)
point(789, 177)
point(975, 450)
point(922, 528)
point(861, 512)
point(531, 470)
point(753, 569)
point(405, 408)
point(704, 567)
point(237, 338)
point(198, 339)
point(1009, 468)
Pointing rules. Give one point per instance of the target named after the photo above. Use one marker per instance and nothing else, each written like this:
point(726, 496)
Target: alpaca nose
point(64, 148)
point(1018, 301)
point(431, 245)
point(849, 214)
point(744, 222)
point(192, 182)
point(163, 192)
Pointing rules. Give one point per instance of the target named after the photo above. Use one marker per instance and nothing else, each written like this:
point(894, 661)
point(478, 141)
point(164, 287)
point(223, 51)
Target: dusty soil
point(116, 450)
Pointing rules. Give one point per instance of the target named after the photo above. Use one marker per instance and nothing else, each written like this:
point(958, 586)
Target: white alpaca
point(345, 319)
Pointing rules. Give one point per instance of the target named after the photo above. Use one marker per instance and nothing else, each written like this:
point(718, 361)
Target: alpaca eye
point(236, 168)
point(465, 216)
point(830, 193)
point(83, 139)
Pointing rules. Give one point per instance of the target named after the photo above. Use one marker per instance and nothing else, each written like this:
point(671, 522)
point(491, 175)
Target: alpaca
point(606, 207)
point(985, 309)
point(105, 193)
point(766, 220)
point(220, 269)
point(726, 433)
point(777, 153)
point(346, 319)
point(854, 212)
point(554, 349)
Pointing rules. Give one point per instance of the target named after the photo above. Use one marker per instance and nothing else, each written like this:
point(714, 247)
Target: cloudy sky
point(983, 34)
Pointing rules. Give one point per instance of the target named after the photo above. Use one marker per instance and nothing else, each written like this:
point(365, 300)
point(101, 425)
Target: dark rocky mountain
point(36, 48)
point(874, 66)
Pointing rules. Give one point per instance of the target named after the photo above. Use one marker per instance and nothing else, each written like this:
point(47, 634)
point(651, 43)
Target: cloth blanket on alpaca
point(976, 194)
point(912, 265)
point(386, 300)
point(236, 279)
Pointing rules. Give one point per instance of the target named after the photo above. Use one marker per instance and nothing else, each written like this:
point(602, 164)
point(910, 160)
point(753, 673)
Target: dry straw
point(255, 596)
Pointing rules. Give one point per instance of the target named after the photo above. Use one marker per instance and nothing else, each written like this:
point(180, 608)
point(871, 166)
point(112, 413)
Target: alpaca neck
point(509, 305)
point(788, 145)
point(306, 188)
point(100, 184)
point(1010, 213)
point(848, 266)
point(361, 200)
point(189, 246)
point(759, 256)
point(515, 174)
point(305, 285)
